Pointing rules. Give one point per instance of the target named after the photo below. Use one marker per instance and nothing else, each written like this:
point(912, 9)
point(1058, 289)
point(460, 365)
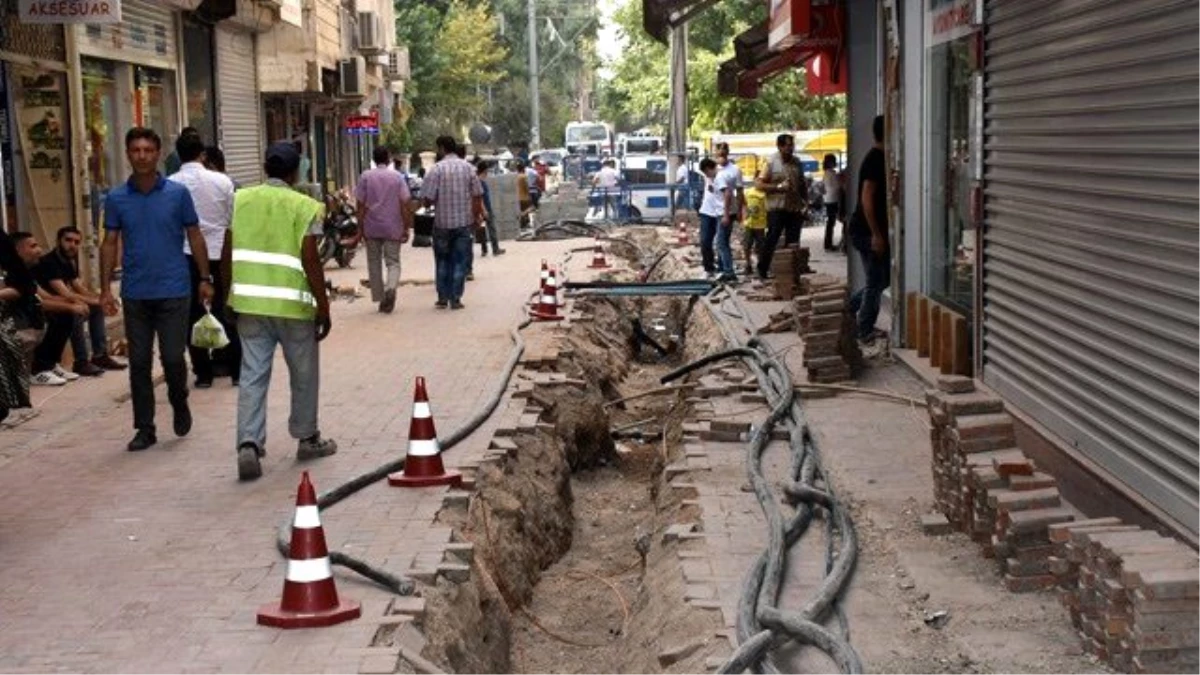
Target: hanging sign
point(290, 11)
point(69, 11)
point(947, 20)
point(806, 24)
point(363, 124)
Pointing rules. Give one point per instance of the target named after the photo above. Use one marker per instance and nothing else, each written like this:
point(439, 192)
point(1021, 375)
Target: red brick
point(1018, 501)
point(1131, 565)
point(1028, 584)
point(1061, 532)
point(1037, 481)
point(1035, 520)
point(1168, 584)
point(983, 426)
point(955, 384)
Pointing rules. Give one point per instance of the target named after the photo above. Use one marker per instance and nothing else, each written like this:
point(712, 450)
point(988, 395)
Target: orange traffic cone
point(547, 308)
point(310, 598)
point(598, 260)
point(423, 464)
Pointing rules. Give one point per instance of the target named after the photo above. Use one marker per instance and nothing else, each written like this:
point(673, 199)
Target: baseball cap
point(282, 158)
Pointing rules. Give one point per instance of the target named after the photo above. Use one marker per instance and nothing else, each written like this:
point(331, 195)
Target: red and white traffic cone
point(310, 598)
point(544, 275)
point(423, 465)
point(599, 262)
point(681, 236)
point(547, 307)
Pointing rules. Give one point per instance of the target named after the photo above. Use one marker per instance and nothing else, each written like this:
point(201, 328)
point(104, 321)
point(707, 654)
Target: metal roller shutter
point(145, 35)
point(1090, 245)
point(237, 106)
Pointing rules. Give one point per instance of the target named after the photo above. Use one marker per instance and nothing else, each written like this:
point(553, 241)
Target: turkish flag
point(822, 78)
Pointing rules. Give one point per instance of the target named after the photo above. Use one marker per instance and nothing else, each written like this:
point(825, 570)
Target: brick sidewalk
point(157, 561)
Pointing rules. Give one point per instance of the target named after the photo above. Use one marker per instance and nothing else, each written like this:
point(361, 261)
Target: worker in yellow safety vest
point(277, 291)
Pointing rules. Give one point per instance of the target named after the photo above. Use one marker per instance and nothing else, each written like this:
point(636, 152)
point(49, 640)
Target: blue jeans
point(260, 335)
point(865, 301)
point(95, 329)
point(708, 233)
point(724, 251)
point(452, 253)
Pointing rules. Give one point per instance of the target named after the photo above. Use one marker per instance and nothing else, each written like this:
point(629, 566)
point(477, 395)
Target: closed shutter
point(1090, 245)
point(237, 106)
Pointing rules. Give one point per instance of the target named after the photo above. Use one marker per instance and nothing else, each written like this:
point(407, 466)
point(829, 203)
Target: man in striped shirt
point(453, 190)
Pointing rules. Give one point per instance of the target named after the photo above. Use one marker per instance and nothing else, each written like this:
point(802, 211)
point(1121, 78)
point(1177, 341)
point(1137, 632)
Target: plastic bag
point(208, 333)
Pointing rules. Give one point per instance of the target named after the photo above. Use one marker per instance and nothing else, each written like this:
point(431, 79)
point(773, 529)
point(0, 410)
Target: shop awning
point(797, 32)
point(742, 77)
point(660, 16)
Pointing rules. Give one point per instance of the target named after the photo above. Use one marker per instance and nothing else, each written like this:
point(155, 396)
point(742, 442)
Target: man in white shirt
point(712, 208)
point(607, 179)
point(212, 193)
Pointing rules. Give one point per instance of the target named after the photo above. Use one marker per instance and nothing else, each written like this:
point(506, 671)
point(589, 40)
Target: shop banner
point(947, 20)
point(291, 11)
point(38, 101)
point(69, 11)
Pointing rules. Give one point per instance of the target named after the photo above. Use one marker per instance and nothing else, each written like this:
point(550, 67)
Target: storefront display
point(198, 69)
point(38, 182)
point(101, 123)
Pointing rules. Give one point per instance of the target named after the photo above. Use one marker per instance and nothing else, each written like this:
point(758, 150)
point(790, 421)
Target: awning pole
point(677, 131)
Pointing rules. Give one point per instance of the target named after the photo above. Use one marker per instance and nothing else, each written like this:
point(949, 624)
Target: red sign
point(363, 124)
point(806, 24)
point(826, 74)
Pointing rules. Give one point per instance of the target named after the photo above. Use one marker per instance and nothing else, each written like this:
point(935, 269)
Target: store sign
point(817, 25)
point(363, 124)
point(291, 11)
point(69, 11)
point(947, 20)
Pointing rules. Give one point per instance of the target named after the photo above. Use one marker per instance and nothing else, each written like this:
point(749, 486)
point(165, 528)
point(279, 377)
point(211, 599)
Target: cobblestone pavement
point(157, 561)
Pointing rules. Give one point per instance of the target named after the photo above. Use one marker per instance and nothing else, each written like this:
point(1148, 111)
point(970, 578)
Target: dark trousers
point(708, 235)
point(492, 236)
point(230, 356)
point(94, 323)
point(831, 216)
point(59, 326)
point(452, 253)
point(779, 223)
point(167, 319)
point(865, 301)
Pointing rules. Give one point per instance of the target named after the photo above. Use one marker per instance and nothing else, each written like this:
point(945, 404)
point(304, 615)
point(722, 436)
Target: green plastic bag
point(208, 333)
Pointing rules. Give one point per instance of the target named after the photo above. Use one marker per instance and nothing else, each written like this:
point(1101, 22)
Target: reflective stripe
point(308, 571)
point(272, 292)
point(423, 448)
point(421, 409)
point(307, 518)
point(280, 259)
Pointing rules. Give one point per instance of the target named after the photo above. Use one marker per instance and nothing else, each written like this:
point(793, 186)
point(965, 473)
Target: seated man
point(58, 274)
point(61, 314)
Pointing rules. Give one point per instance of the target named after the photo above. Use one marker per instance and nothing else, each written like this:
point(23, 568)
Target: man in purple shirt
point(383, 211)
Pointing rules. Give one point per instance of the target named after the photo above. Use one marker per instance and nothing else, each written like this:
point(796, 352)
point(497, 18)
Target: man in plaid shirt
point(453, 189)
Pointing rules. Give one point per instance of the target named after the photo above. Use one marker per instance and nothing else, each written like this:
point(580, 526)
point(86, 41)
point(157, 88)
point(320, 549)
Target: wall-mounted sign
point(363, 124)
point(806, 24)
point(69, 11)
point(291, 11)
point(947, 20)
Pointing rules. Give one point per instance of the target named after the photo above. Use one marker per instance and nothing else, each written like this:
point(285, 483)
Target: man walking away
point(869, 236)
point(453, 189)
point(277, 289)
point(711, 211)
point(149, 217)
point(833, 189)
point(783, 182)
point(58, 274)
point(481, 170)
point(383, 210)
point(535, 188)
point(212, 193)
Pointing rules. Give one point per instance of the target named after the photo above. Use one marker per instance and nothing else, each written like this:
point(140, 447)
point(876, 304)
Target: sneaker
point(203, 383)
point(471, 277)
point(87, 369)
point(455, 304)
point(47, 379)
point(498, 251)
point(183, 420)
point(484, 254)
point(141, 440)
point(249, 468)
point(108, 363)
point(314, 447)
point(441, 304)
point(63, 373)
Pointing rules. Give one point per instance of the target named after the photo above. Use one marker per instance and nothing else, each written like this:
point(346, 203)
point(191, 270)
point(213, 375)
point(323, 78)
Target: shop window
point(103, 132)
point(198, 65)
point(156, 99)
point(950, 258)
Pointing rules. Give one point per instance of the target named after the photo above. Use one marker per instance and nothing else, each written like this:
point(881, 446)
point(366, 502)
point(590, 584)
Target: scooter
point(341, 233)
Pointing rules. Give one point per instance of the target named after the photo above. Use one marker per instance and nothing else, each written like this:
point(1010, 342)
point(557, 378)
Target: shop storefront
point(200, 75)
point(239, 112)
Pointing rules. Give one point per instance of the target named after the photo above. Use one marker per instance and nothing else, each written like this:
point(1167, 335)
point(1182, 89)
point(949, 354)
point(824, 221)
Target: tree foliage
point(638, 94)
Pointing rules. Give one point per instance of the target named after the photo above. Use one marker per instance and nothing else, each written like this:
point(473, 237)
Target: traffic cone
point(681, 234)
point(598, 260)
point(423, 464)
point(547, 308)
point(545, 274)
point(310, 598)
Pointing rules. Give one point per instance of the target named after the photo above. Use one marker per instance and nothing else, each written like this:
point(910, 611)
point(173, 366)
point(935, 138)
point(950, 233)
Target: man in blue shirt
point(148, 217)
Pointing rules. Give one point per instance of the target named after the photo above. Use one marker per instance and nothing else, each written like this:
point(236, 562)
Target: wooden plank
point(911, 312)
point(962, 347)
point(922, 326)
point(935, 335)
point(946, 336)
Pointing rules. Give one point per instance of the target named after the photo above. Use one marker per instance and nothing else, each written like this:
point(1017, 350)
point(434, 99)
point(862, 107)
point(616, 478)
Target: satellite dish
point(479, 134)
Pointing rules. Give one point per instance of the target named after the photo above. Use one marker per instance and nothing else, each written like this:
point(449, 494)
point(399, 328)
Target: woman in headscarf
point(19, 308)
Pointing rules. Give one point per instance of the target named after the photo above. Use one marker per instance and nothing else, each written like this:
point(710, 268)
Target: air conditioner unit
point(353, 75)
point(398, 67)
point(370, 33)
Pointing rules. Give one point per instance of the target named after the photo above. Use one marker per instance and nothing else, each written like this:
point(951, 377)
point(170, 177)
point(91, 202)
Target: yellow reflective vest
point(268, 230)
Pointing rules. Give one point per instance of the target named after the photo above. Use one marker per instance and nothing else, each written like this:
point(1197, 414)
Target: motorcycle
point(341, 233)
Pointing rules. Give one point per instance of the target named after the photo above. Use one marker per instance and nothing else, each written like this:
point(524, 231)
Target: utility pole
point(677, 129)
point(534, 95)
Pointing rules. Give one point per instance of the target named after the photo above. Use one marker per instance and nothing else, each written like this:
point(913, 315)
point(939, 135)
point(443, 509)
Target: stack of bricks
point(824, 348)
point(783, 267)
point(1132, 594)
point(988, 488)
